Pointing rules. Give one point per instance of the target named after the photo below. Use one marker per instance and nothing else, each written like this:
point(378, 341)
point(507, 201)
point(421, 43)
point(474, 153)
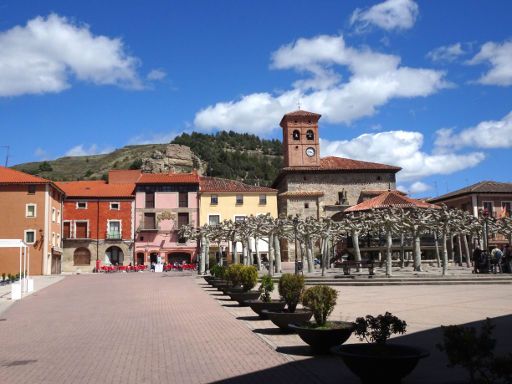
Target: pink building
point(163, 203)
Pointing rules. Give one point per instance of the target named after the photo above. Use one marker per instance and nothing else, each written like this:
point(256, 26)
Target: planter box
point(258, 306)
point(284, 318)
point(321, 340)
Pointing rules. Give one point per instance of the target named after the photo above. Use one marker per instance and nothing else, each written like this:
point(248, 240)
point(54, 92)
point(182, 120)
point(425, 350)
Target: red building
point(97, 224)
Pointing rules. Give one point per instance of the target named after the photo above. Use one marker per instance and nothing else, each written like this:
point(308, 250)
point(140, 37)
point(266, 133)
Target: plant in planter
point(234, 275)
point(322, 335)
point(248, 279)
point(389, 362)
point(265, 301)
point(291, 288)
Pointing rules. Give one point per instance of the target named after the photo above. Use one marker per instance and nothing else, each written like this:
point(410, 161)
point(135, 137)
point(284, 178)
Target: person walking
point(477, 254)
point(496, 255)
point(507, 255)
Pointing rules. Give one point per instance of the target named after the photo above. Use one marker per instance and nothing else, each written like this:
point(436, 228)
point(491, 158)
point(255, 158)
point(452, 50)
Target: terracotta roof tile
point(390, 199)
point(168, 178)
point(123, 176)
point(299, 115)
point(376, 192)
point(96, 188)
point(11, 176)
point(215, 184)
point(481, 187)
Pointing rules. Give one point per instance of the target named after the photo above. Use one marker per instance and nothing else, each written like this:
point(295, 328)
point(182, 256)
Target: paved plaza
point(173, 328)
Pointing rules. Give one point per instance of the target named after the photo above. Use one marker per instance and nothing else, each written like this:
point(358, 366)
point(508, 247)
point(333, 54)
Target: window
point(487, 206)
point(82, 256)
point(306, 205)
point(30, 236)
point(54, 215)
point(31, 210)
point(183, 199)
point(310, 135)
point(239, 199)
point(213, 219)
point(58, 240)
point(115, 206)
point(150, 199)
point(182, 219)
point(296, 135)
point(66, 233)
point(239, 219)
point(505, 208)
point(263, 199)
point(114, 229)
point(31, 189)
point(214, 200)
point(81, 205)
point(81, 230)
point(53, 239)
point(58, 216)
point(149, 221)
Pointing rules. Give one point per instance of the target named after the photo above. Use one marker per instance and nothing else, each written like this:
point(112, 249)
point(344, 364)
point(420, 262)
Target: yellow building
point(222, 199)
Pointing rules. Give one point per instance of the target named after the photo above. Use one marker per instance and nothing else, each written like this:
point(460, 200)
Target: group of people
point(499, 260)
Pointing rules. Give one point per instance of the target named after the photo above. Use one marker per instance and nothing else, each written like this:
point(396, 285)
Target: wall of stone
point(71, 245)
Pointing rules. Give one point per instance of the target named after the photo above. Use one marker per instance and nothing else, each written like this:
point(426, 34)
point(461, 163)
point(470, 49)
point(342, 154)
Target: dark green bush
point(249, 277)
point(217, 271)
point(321, 299)
point(3, 276)
point(234, 274)
point(379, 329)
point(291, 288)
point(266, 288)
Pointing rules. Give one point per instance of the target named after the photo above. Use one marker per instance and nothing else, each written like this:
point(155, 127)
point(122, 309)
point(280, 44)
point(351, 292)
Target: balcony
point(147, 228)
point(113, 235)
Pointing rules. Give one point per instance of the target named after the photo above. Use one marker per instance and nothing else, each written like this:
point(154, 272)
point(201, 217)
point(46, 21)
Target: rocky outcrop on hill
point(175, 158)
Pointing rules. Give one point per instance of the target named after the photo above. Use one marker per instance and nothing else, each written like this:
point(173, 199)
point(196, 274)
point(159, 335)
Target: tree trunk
point(402, 250)
point(271, 254)
point(309, 254)
point(466, 249)
point(235, 253)
point(244, 252)
point(417, 251)
point(445, 253)
point(452, 253)
point(389, 243)
point(277, 251)
point(202, 264)
point(250, 259)
point(325, 245)
point(357, 251)
point(258, 256)
point(459, 246)
point(436, 243)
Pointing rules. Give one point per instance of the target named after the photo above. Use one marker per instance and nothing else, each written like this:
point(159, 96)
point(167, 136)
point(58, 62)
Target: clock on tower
point(300, 139)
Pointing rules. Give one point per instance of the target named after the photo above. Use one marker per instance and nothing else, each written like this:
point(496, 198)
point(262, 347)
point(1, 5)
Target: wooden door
point(56, 265)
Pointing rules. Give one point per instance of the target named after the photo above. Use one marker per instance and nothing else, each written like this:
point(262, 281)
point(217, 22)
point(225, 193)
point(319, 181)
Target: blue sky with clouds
point(426, 85)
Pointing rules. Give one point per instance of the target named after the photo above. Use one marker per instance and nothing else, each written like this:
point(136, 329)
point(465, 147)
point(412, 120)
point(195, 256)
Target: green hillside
point(228, 154)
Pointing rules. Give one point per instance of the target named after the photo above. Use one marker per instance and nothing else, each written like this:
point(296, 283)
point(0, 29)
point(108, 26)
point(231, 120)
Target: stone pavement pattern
point(133, 328)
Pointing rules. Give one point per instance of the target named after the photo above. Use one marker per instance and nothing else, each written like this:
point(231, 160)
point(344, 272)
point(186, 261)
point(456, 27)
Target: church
point(312, 186)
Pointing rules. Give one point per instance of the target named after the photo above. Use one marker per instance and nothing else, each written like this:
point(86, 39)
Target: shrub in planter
point(321, 299)
point(3, 276)
point(291, 288)
point(266, 288)
point(248, 277)
point(389, 362)
point(234, 274)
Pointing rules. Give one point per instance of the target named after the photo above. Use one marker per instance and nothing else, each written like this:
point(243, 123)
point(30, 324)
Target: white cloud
point(499, 56)
point(156, 75)
point(153, 138)
point(81, 150)
point(44, 54)
point(403, 149)
point(41, 154)
point(389, 15)
point(375, 79)
point(446, 53)
point(487, 134)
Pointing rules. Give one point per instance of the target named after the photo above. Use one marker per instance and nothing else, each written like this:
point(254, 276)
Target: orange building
point(30, 210)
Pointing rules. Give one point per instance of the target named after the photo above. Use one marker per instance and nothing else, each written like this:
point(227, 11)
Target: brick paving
point(134, 328)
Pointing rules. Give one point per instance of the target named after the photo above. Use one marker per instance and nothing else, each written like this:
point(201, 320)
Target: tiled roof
point(390, 199)
point(215, 184)
point(11, 176)
point(123, 176)
point(300, 114)
point(481, 187)
point(96, 189)
point(168, 178)
point(376, 192)
point(301, 194)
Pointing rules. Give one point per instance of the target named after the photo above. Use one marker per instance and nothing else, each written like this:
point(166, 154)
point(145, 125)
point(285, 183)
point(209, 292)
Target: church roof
point(481, 187)
point(390, 199)
point(300, 114)
point(299, 194)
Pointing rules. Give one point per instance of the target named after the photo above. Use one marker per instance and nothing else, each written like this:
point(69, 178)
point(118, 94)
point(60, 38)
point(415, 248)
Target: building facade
point(97, 225)
point(222, 199)
point(31, 210)
point(163, 203)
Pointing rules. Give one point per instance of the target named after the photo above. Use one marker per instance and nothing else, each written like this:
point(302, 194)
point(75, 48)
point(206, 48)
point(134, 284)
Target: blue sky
point(426, 85)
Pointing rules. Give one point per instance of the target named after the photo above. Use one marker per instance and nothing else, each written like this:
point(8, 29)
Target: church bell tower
point(301, 146)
